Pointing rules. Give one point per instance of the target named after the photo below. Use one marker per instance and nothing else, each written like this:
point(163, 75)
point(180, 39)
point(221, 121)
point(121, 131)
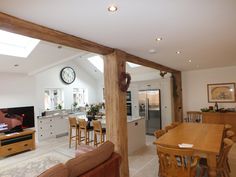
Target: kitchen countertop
point(134, 119)
point(61, 115)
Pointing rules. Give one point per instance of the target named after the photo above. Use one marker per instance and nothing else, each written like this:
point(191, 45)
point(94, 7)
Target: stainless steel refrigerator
point(150, 109)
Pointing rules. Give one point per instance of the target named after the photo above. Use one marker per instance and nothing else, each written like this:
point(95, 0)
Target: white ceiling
point(203, 30)
point(137, 74)
point(44, 56)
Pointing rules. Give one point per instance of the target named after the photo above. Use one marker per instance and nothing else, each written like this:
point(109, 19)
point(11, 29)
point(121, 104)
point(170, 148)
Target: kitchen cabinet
point(53, 126)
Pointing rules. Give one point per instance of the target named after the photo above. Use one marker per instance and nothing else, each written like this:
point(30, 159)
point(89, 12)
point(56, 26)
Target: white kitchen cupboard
point(54, 126)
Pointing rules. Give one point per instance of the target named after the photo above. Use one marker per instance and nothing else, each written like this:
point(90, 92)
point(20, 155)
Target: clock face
point(67, 75)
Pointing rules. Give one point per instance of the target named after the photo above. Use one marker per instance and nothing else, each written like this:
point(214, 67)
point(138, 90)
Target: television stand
point(17, 142)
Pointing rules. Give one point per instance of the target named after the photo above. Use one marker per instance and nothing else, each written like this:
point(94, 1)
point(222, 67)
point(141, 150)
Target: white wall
point(51, 79)
point(194, 85)
point(16, 90)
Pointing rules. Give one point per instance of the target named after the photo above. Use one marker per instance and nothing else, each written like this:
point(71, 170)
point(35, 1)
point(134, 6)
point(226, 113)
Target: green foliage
point(93, 109)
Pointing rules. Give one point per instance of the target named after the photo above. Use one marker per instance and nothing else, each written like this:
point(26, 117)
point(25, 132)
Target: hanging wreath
point(124, 81)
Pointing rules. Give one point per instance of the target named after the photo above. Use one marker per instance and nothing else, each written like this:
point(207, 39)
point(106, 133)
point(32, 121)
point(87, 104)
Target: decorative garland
point(124, 81)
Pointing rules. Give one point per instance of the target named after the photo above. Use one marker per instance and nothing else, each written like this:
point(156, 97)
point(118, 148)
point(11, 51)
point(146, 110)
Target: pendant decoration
point(124, 81)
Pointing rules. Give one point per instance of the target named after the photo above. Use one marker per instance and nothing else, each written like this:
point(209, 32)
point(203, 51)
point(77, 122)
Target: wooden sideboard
point(220, 118)
point(17, 142)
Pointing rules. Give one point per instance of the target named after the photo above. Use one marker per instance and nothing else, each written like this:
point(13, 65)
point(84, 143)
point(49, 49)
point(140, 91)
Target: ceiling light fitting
point(158, 39)
point(112, 8)
point(178, 52)
point(189, 61)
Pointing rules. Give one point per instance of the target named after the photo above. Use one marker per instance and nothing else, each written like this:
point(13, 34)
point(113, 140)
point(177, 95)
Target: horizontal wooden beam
point(19, 26)
point(148, 63)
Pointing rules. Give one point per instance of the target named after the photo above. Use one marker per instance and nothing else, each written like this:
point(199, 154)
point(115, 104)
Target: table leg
point(211, 159)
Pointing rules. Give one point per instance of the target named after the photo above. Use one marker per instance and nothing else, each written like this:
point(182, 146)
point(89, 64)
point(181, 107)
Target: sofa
point(98, 162)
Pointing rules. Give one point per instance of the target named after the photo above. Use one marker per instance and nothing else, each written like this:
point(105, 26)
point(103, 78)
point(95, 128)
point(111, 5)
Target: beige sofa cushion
point(89, 160)
point(59, 170)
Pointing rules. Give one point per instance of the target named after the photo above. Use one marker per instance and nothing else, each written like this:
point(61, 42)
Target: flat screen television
point(16, 119)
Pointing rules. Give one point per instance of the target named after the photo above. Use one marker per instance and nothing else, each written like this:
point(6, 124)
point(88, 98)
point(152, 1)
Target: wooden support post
point(178, 98)
point(116, 113)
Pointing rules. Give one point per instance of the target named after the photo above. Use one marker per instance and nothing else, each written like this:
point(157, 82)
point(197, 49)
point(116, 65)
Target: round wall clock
point(67, 75)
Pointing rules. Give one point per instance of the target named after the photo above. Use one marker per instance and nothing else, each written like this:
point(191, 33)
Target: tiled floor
point(143, 163)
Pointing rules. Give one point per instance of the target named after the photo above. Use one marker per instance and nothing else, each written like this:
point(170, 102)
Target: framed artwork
point(222, 93)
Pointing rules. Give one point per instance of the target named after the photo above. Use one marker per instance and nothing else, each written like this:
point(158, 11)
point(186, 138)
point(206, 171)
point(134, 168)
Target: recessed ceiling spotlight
point(189, 61)
point(16, 65)
point(152, 51)
point(112, 8)
point(178, 52)
point(159, 39)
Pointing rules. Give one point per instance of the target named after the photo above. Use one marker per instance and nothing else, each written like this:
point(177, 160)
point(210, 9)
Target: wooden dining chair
point(222, 168)
point(227, 127)
point(175, 162)
point(230, 134)
point(159, 133)
point(84, 129)
point(98, 132)
point(73, 127)
point(175, 124)
point(169, 127)
point(193, 116)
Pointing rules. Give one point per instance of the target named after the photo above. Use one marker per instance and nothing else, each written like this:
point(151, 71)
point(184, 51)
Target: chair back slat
point(169, 127)
point(72, 121)
point(174, 162)
point(194, 116)
point(97, 126)
point(230, 134)
point(159, 133)
point(228, 143)
point(82, 123)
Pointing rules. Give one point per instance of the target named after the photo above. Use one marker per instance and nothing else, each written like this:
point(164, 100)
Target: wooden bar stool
point(73, 126)
point(85, 129)
point(98, 131)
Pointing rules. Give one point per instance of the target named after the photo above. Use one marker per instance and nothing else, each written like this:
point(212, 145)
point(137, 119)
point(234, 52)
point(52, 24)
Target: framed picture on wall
point(222, 93)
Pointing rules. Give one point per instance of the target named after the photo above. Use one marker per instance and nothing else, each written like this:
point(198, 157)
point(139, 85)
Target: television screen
point(16, 119)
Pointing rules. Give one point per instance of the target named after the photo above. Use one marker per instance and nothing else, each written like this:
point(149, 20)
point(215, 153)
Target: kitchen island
point(57, 124)
point(136, 134)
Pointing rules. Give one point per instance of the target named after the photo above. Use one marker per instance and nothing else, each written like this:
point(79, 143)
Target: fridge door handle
point(147, 109)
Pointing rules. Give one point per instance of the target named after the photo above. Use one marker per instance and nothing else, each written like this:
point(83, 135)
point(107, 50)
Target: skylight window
point(16, 45)
point(97, 61)
point(133, 65)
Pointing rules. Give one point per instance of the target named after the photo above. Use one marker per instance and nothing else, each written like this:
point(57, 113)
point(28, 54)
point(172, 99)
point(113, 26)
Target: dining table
point(205, 138)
